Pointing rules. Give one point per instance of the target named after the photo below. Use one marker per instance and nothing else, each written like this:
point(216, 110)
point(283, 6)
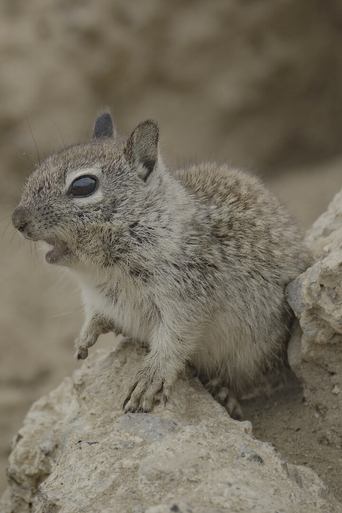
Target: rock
point(325, 236)
point(316, 295)
point(315, 353)
point(78, 453)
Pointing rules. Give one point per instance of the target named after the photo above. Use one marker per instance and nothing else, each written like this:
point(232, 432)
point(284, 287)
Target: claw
point(142, 394)
point(82, 353)
point(165, 398)
point(224, 396)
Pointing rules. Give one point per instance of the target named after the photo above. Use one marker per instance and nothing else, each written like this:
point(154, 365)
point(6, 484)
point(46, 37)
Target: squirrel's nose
point(20, 218)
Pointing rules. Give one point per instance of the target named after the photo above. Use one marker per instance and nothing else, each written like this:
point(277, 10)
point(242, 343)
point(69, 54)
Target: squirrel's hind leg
point(223, 395)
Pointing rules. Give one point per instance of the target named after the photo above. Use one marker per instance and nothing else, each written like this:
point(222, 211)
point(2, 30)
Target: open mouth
point(57, 251)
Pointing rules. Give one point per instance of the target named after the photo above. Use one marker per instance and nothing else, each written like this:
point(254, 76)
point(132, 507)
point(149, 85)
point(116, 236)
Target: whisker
point(59, 133)
point(31, 248)
point(4, 229)
point(11, 237)
point(34, 140)
point(68, 313)
point(5, 218)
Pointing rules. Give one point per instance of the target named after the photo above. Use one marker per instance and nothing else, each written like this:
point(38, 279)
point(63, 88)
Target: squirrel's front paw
point(81, 350)
point(81, 353)
point(146, 389)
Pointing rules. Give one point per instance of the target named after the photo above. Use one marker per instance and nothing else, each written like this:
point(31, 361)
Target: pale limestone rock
point(315, 354)
point(316, 295)
point(325, 236)
point(78, 453)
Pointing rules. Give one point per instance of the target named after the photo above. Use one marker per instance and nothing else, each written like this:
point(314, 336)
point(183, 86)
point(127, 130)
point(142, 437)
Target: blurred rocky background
point(257, 84)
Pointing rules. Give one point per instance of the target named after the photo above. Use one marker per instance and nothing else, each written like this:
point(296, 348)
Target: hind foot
point(224, 396)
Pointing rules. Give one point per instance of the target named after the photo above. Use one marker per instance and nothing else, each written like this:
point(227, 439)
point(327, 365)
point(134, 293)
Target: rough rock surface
point(258, 83)
point(315, 351)
point(77, 452)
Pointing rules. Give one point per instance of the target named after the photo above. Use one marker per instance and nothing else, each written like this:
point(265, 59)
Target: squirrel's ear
point(104, 126)
point(142, 148)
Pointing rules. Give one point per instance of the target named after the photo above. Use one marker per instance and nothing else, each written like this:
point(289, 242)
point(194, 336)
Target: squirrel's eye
point(83, 186)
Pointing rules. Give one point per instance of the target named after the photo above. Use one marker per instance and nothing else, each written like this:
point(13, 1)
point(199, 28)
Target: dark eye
point(83, 186)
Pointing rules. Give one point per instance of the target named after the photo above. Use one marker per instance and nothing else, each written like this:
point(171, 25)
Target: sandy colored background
point(257, 84)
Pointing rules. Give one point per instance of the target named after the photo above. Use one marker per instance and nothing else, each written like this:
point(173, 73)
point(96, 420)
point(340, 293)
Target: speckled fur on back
point(192, 262)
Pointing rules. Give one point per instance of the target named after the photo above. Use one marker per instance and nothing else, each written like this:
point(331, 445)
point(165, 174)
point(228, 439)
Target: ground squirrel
point(193, 262)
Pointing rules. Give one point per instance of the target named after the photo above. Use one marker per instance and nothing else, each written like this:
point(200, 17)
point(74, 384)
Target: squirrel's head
point(88, 201)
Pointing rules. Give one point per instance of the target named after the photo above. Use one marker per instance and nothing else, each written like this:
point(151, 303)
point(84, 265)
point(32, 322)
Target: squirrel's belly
point(132, 322)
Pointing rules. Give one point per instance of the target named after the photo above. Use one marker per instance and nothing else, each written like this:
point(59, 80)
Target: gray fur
point(193, 262)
